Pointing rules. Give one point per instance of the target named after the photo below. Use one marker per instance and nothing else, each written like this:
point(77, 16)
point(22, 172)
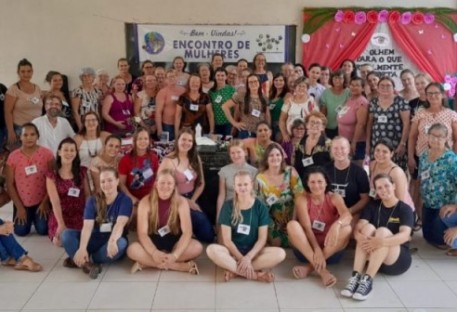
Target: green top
point(275, 108)
point(218, 98)
point(331, 101)
point(255, 217)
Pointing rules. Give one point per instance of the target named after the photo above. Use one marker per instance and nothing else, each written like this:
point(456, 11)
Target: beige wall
point(65, 35)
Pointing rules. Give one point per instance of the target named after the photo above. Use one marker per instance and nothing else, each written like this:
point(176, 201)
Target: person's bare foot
point(229, 276)
point(267, 277)
point(328, 279)
point(301, 271)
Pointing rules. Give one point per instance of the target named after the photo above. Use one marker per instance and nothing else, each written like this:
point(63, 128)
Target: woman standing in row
point(251, 106)
point(22, 102)
point(278, 92)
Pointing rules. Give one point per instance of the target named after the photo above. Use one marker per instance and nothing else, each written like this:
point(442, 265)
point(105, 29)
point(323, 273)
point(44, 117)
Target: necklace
point(391, 213)
point(94, 153)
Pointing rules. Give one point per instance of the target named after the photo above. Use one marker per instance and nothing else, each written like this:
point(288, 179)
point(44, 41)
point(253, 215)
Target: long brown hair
point(192, 154)
point(100, 198)
point(173, 217)
point(264, 161)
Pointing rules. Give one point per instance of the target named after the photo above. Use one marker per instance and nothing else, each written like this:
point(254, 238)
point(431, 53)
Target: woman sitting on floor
point(244, 230)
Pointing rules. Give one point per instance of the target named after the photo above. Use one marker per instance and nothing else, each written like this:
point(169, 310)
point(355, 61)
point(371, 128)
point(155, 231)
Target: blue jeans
point(201, 225)
point(171, 131)
point(223, 129)
point(9, 247)
point(96, 248)
point(432, 226)
point(33, 217)
point(451, 221)
point(244, 134)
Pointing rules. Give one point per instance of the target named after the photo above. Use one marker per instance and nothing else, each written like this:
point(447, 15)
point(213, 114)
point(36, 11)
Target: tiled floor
point(430, 285)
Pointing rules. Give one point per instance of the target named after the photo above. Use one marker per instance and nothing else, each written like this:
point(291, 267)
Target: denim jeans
point(33, 217)
point(451, 221)
point(171, 131)
point(201, 225)
point(9, 247)
point(96, 248)
point(432, 226)
point(223, 129)
point(244, 134)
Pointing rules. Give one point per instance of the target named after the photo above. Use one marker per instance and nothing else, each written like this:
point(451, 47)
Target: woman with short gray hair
point(86, 97)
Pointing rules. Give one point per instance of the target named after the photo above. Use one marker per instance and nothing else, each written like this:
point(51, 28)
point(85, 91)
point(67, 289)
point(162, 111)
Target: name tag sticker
point(318, 226)
point(372, 193)
point(188, 174)
point(340, 192)
point(307, 161)
point(31, 170)
point(382, 119)
point(255, 113)
point(425, 175)
point(174, 97)
point(194, 107)
point(272, 199)
point(148, 173)
point(73, 192)
point(106, 227)
point(164, 230)
point(218, 99)
point(243, 229)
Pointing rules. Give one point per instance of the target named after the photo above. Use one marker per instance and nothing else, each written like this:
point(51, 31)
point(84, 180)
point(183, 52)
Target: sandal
point(417, 225)
point(93, 269)
point(27, 264)
point(193, 268)
point(452, 252)
point(135, 268)
point(328, 279)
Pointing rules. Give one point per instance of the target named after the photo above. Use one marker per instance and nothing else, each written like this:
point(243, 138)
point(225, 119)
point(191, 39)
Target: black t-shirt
point(320, 155)
point(392, 218)
point(415, 104)
point(2, 105)
point(350, 182)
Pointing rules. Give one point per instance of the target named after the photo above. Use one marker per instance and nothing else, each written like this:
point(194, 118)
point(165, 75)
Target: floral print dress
point(280, 200)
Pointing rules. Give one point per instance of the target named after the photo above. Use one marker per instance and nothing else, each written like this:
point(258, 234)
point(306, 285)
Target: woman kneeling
point(322, 229)
point(244, 229)
point(103, 238)
point(165, 230)
point(382, 234)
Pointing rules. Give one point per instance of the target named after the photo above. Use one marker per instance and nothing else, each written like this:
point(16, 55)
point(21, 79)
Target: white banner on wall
point(197, 43)
point(386, 56)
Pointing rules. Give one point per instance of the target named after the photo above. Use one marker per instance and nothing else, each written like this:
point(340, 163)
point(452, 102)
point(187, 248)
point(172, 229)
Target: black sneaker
point(364, 289)
point(352, 285)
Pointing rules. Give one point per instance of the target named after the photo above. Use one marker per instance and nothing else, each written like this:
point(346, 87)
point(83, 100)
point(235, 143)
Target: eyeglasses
point(299, 129)
point(315, 123)
point(433, 93)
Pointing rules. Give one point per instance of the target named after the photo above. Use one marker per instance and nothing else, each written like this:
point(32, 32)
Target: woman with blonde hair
point(164, 230)
point(244, 229)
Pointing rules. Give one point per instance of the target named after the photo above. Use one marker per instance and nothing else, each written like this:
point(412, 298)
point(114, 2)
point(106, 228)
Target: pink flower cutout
point(339, 15)
point(372, 17)
point(360, 18)
point(447, 78)
point(429, 18)
point(383, 15)
point(406, 18)
point(418, 18)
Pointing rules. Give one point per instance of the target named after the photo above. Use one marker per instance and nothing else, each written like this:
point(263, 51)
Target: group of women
point(290, 183)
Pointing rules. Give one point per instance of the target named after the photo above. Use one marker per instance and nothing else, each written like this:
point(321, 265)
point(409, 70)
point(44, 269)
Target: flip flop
point(329, 281)
point(452, 252)
point(193, 268)
point(135, 268)
point(27, 264)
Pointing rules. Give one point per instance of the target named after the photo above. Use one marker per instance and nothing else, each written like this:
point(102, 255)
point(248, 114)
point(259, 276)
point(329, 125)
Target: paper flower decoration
point(349, 16)
point(450, 84)
point(339, 15)
point(394, 16)
point(429, 18)
point(418, 18)
point(372, 17)
point(383, 16)
point(360, 18)
point(406, 18)
point(455, 37)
